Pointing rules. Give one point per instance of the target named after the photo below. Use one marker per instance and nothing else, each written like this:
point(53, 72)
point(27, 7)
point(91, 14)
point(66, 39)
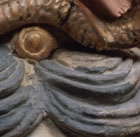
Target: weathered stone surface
point(85, 94)
point(96, 91)
point(47, 129)
point(11, 72)
point(93, 95)
point(21, 101)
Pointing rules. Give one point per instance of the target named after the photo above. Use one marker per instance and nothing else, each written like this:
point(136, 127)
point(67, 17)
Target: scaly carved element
point(75, 19)
point(34, 43)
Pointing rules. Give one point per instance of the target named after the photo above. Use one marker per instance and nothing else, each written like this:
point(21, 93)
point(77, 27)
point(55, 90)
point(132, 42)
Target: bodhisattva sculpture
point(45, 70)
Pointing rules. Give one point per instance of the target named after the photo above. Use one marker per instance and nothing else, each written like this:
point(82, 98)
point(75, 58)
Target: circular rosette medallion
point(93, 94)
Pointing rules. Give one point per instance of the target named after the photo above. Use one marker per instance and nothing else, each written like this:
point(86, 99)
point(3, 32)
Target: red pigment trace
point(108, 8)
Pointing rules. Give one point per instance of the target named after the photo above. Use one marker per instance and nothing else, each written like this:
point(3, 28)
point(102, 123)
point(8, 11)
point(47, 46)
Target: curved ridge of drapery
point(93, 96)
point(21, 105)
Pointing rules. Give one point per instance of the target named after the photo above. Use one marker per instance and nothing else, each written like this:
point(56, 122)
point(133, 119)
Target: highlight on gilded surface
point(72, 62)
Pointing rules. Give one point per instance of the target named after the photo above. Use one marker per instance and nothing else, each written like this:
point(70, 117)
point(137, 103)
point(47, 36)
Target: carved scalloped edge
point(74, 104)
point(21, 105)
